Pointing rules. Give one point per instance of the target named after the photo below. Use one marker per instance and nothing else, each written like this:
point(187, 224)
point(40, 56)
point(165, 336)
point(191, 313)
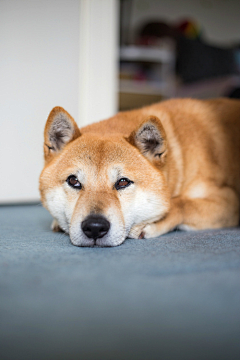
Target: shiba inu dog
point(143, 172)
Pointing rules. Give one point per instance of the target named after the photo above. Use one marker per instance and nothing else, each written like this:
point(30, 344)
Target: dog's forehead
point(92, 149)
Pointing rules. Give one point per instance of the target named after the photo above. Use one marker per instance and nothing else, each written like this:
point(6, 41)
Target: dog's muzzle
point(95, 227)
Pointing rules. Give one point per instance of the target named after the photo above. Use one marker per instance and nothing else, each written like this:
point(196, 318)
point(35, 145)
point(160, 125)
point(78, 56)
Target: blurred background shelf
point(144, 87)
point(146, 75)
point(146, 53)
point(171, 49)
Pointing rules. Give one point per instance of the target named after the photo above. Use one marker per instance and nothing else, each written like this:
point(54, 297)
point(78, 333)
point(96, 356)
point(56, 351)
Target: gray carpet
point(174, 297)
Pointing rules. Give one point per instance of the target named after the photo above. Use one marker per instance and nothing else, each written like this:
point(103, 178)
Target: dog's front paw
point(155, 229)
point(136, 232)
point(150, 231)
point(55, 226)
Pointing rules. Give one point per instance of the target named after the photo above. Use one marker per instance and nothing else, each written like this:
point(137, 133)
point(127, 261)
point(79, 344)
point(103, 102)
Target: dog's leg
point(136, 231)
point(217, 211)
point(55, 226)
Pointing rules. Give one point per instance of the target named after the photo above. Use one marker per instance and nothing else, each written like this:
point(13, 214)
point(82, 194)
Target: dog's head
point(98, 187)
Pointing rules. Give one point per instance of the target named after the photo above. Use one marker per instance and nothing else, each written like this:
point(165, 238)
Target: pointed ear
point(60, 129)
point(150, 139)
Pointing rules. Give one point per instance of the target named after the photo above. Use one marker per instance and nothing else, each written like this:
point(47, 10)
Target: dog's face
point(99, 187)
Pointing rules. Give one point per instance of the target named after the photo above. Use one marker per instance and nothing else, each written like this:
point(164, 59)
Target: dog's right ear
point(60, 129)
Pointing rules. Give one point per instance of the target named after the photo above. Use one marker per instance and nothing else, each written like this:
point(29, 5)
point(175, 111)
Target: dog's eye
point(73, 182)
point(123, 183)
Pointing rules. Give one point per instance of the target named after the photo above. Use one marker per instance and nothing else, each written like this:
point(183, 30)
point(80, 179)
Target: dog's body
point(144, 172)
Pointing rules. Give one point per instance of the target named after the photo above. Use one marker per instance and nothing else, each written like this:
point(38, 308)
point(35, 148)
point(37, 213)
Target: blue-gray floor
point(174, 297)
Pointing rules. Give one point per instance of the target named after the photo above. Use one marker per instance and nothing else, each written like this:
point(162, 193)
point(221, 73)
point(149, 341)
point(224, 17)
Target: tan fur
point(189, 178)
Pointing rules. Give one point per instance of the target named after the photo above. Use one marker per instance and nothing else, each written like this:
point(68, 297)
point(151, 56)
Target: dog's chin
point(98, 243)
point(84, 241)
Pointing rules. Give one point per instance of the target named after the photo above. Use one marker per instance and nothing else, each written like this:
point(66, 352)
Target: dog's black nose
point(95, 226)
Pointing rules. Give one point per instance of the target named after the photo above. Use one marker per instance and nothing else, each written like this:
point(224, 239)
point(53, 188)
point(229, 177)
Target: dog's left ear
point(150, 139)
point(60, 129)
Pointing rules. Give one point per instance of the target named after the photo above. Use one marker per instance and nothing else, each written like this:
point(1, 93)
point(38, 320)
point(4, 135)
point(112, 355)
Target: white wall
point(98, 63)
point(219, 19)
point(39, 69)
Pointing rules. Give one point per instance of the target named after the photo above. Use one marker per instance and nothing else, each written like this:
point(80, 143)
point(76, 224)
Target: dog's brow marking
point(81, 176)
point(115, 174)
